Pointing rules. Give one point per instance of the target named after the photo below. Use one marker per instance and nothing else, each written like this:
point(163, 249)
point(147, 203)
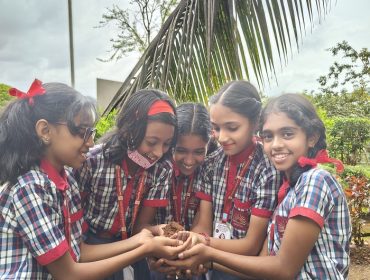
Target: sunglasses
point(83, 132)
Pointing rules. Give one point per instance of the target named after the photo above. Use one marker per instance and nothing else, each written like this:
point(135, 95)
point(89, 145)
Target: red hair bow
point(35, 89)
point(321, 157)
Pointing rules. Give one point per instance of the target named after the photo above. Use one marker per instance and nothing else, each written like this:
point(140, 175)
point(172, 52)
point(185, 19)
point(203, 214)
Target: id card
point(222, 230)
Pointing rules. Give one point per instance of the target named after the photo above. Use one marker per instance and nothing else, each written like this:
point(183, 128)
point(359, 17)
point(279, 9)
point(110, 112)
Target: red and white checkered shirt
point(319, 197)
point(256, 194)
point(97, 181)
point(165, 215)
point(32, 223)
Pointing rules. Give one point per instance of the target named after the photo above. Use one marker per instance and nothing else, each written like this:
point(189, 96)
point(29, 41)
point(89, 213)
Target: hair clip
point(35, 89)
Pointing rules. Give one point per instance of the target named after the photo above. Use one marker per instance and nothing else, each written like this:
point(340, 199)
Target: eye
point(287, 134)
point(233, 128)
point(266, 137)
point(180, 151)
point(215, 128)
point(200, 152)
point(150, 143)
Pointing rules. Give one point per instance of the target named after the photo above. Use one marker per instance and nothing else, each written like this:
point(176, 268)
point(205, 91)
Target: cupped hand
point(191, 259)
point(164, 247)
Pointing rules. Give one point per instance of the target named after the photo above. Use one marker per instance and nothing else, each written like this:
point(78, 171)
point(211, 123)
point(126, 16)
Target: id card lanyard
point(230, 192)
point(179, 215)
point(124, 198)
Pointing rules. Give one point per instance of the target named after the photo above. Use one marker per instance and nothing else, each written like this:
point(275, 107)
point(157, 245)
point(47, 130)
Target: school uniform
point(318, 197)
point(183, 203)
point(255, 194)
point(98, 182)
point(41, 219)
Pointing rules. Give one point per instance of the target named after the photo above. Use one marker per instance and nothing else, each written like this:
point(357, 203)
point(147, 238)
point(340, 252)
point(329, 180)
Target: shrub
point(349, 138)
point(105, 123)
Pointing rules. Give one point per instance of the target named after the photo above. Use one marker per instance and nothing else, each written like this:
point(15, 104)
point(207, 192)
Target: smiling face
point(233, 131)
point(64, 147)
point(284, 141)
point(190, 152)
point(157, 140)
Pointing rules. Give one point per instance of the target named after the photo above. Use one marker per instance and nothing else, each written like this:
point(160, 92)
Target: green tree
point(204, 44)
point(354, 68)
point(136, 25)
point(4, 96)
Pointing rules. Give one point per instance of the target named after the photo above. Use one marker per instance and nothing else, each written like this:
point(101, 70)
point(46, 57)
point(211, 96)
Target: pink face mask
point(139, 159)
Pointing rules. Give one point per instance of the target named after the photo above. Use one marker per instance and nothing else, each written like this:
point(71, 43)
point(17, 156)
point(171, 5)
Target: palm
point(204, 44)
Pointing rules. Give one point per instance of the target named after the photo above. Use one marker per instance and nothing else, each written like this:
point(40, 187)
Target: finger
point(188, 253)
point(155, 264)
point(177, 263)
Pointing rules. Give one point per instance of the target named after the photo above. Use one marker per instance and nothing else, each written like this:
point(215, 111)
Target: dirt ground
point(360, 263)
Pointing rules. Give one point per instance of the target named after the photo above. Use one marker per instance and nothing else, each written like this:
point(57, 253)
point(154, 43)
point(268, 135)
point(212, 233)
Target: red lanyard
point(67, 218)
point(234, 184)
point(177, 195)
point(124, 199)
point(283, 191)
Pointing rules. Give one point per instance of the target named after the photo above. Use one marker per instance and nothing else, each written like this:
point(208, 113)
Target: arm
point(204, 219)
point(145, 220)
point(102, 251)
point(285, 265)
point(249, 245)
point(157, 246)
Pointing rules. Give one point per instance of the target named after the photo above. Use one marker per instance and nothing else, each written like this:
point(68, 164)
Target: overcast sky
point(34, 43)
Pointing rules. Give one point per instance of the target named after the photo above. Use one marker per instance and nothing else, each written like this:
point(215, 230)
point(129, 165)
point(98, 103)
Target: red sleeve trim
point(53, 254)
point(308, 213)
point(203, 196)
point(155, 202)
point(77, 216)
point(263, 213)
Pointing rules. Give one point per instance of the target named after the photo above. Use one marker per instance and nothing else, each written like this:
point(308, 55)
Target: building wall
point(105, 91)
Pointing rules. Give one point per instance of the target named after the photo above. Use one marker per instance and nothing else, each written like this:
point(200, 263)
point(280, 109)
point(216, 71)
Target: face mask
point(139, 159)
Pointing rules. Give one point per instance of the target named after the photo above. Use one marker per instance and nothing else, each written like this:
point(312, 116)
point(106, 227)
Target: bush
point(349, 138)
point(356, 184)
point(105, 124)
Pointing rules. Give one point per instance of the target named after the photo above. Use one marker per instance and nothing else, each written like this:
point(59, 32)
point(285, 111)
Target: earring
point(45, 141)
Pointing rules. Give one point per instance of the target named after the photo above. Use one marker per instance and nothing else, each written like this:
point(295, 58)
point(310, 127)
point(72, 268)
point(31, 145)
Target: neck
point(131, 166)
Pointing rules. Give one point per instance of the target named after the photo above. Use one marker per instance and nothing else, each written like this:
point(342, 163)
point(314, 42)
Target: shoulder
point(318, 178)
point(214, 158)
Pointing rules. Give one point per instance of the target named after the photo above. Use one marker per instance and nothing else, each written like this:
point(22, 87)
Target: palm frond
point(206, 43)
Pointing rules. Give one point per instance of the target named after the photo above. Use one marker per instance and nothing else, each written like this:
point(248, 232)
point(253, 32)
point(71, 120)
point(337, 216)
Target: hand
point(196, 238)
point(164, 247)
point(192, 258)
point(159, 265)
point(143, 236)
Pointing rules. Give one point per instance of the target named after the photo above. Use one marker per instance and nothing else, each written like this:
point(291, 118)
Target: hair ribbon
point(321, 157)
point(35, 89)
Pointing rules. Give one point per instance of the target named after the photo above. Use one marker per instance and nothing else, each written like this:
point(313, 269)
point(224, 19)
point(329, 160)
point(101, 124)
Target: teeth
point(188, 166)
point(280, 156)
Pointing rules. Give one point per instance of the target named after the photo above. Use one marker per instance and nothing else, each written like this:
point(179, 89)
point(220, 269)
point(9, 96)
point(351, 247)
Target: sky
point(34, 43)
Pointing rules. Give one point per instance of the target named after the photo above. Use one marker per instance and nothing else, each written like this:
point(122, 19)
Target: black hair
point(132, 121)
point(241, 97)
point(20, 145)
point(303, 113)
point(193, 118)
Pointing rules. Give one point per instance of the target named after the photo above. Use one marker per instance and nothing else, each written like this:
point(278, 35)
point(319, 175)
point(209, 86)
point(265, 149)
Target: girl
point(309, 233)
point(41, 221)
point(194, 129)
point(123, 179)
point(239, 184)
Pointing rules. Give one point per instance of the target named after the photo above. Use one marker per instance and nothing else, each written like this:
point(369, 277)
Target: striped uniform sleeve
point(265, 192)
point(203, 183)
point(314, 198)
point(158, 184)
point(40, 223)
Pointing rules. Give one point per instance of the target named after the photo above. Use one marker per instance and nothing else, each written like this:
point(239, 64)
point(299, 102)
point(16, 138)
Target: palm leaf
point(206, 43)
